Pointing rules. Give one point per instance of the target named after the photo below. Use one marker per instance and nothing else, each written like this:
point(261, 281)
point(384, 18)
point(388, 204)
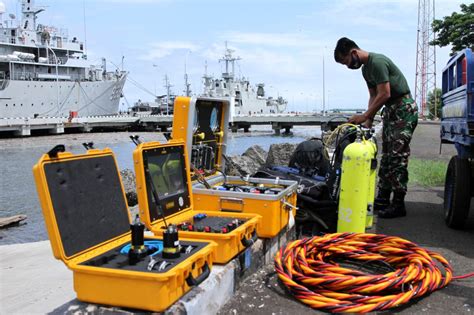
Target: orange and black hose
point(315, 271)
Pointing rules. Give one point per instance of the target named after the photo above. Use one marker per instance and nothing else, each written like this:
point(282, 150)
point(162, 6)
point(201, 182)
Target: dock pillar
point(276, 127)
point(86, 128)
point(58, 129)
point(23, 131)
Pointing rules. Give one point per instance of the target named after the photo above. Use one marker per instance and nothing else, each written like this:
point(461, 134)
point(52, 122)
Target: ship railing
point(61, 60)
point(3, 80)
point(23, 75)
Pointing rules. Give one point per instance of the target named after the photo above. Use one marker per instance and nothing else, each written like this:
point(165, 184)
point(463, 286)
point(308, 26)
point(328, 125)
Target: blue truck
point(457, 127)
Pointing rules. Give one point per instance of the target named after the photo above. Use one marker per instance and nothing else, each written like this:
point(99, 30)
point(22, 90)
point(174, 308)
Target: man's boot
point(382, 201)
point(396, 208)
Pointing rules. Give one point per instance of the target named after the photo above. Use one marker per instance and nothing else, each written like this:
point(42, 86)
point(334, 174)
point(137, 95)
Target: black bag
point(317, 212)
point(311, 158)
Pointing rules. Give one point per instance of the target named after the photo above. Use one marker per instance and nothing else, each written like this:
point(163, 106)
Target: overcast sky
point(281, 43)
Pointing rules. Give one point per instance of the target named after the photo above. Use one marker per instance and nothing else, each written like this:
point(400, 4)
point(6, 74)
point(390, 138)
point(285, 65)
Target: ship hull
point(21, 99)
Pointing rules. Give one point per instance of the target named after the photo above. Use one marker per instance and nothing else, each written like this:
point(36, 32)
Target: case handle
point(191, 281)
point(231, 204)
point(247, 242)
point(53, 153)
point(288, 205)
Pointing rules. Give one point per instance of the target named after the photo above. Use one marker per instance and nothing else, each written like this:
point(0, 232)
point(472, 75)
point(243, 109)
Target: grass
point(428, 173)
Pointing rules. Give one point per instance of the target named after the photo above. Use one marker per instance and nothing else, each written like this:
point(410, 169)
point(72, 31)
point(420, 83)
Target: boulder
point(128, 180)
point(256, 153)
point(241, 165)
point(280, 154)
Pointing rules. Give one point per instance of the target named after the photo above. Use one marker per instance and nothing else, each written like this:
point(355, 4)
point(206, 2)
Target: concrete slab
point(34, 282)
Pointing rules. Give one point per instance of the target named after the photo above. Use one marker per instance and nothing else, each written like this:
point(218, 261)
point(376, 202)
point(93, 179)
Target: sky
point(281, 43)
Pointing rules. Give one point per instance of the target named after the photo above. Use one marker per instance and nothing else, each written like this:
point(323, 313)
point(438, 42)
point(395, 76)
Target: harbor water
point(18, 155)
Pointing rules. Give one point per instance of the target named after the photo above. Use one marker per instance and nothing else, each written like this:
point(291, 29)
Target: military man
point(387, 86)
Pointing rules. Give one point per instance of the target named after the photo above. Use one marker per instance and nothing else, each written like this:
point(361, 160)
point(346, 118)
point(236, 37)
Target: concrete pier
point(24, 127)
point(33, 281)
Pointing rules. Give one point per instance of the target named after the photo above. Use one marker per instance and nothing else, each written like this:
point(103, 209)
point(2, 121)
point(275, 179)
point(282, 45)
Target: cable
point(223, 175)
point(313, 270)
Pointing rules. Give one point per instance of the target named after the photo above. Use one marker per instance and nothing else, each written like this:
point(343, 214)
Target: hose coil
point(313, 271)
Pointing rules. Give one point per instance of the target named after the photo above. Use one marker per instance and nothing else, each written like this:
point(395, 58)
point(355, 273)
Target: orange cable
point(313, 271)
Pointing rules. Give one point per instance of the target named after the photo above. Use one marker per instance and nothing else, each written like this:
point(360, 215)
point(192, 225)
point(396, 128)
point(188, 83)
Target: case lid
point(161, 170)
point(83, 200)
point(202, 122)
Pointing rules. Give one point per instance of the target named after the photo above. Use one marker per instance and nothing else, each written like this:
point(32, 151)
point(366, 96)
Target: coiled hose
point(315, 271)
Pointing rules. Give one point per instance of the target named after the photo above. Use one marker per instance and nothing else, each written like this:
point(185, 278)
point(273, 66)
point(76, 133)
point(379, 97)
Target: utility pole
point(324, 89)
point(425, 80)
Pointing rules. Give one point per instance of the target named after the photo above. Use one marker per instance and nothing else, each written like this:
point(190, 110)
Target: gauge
point(196, 120)
point(213, 120)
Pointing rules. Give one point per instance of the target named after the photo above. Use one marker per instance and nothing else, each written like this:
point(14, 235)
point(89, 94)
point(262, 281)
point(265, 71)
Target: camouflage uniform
point(399, 123)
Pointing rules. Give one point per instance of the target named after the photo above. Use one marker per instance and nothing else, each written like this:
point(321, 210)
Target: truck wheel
point(457, 192)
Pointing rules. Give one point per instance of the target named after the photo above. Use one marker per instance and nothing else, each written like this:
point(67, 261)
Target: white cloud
point(130, 1)
point(272, 39)
point(159, 50)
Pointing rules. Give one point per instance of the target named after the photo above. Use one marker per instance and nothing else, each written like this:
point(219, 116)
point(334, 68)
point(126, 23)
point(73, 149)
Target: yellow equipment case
point(203, 124)
point(88, 224)
point(162, 174)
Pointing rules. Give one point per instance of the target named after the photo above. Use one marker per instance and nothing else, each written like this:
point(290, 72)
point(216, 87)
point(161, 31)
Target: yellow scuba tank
point(356, 193)
point(371, 193)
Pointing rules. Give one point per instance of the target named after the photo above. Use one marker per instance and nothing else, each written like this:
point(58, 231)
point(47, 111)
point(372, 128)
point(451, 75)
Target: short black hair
point(343, 47)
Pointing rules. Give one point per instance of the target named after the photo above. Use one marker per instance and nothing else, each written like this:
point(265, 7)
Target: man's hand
point(357, 119)
point(368, 123)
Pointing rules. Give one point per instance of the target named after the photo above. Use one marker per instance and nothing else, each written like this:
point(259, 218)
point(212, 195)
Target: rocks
point(255, 157)
point(257, 154)
point(242, 165)
point(128, 180)
point(279, 154)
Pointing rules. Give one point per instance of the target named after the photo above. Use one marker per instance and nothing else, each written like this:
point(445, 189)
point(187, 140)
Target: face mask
point(355, 62)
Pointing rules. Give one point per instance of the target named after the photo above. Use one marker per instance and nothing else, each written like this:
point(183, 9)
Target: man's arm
point(378, 97)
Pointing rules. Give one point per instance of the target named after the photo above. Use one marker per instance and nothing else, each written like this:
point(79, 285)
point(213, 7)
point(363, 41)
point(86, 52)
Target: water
point(17, 156)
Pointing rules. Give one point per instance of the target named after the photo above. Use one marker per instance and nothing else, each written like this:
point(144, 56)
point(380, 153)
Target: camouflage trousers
point(399, 123)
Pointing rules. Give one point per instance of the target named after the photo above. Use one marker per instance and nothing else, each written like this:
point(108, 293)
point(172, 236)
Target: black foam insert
point(88, 201)
point(113, 259)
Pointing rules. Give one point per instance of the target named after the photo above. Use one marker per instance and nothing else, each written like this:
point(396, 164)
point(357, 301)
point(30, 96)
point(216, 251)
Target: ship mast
point(228, 59)
point(29, 15)
point(187, 85)
point(207, 80)
point(168, 93)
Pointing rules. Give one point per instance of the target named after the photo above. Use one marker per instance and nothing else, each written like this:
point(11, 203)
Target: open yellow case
point(165, 197)
point(88, 224)
point(203, 124)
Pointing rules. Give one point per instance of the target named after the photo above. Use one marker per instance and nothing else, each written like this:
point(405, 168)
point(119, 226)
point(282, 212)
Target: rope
point(93, 101)
point(314, 271)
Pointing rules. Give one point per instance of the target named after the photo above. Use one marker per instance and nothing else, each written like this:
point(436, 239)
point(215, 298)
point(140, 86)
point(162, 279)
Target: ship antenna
point(228, 58)
point(85, 29)
point(168, 92)
point(187, 85)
